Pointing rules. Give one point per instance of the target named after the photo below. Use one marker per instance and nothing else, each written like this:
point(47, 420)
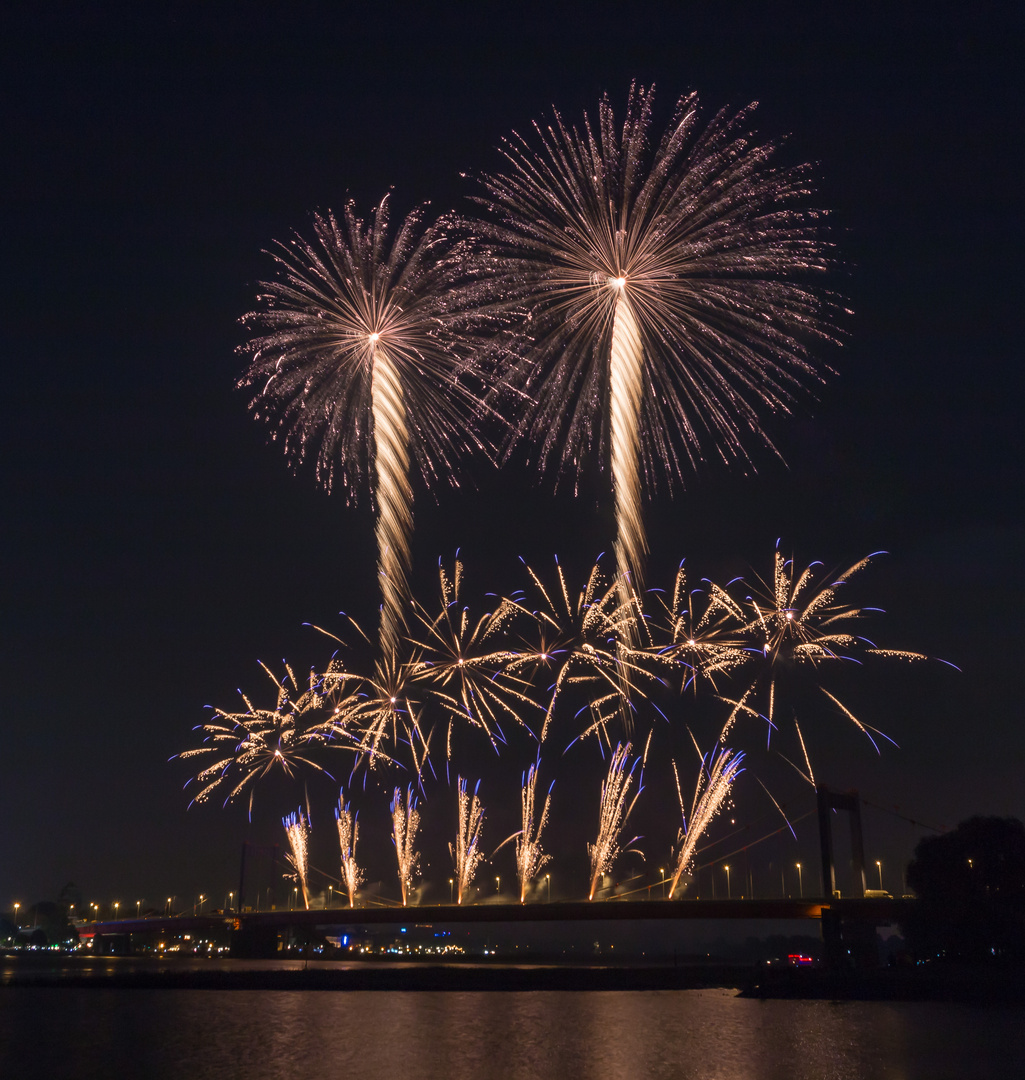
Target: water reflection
point(706, 1034)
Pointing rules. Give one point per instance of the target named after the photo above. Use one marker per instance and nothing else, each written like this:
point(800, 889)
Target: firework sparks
point(405, 825)
point(669, 286)
point(360, 366)
point(711, 792)
point(798, 627)
point(466, 851)
point(297, 829)
point(580, 641)
point(464, 665)
point(706, 645)
point(247, 746)
point(348, 833)
point(529, 857)
point(613, 814)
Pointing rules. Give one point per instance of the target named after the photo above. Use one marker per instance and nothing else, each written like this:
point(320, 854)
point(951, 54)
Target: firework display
point(648, 299)
point(668, 286)
point(405, 825)
point(360, 368)
point(348, 833)
point(466, 851)
point(297, 829)
point(718, 771)
point(530, 859)
point(613, 812)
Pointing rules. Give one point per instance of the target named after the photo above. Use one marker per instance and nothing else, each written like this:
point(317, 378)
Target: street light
point(231, 901)
point(450, 893)
point(16, 906)
point(138, 908)
point(662, 875)
point(879, 867)
point(202, 901)
point(548, 885)
point(498, 884)
point(168, 908)
point(800, 880)
point(117, 904)
point(729, 894)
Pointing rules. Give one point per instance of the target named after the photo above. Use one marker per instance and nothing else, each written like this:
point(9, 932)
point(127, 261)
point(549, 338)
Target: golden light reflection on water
point(706, 1034)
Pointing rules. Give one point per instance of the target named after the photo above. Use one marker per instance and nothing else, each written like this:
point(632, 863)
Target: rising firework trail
point(360, 367)
point(348, 833)
point(670, 286)
point(466, 851)
point(297, 829)
point(530, 859)
point(711, 792)
point(405, 825)
point(613, 814)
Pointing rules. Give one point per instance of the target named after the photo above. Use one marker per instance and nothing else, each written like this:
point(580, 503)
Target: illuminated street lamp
point(138, 908)
point(202, 901)
point(662, 876)
point(729, 894)
point(16, 907)
point(498, 884)
point(879, 867)
point(117, 904)
point(450, 894)
point(800, 880)
point(548, 885)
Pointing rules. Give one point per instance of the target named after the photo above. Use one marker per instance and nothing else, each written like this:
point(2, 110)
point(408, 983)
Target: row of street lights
point(230, 896)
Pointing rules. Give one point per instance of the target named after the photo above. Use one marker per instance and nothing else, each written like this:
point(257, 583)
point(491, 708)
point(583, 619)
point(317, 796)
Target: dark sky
point(155, 544)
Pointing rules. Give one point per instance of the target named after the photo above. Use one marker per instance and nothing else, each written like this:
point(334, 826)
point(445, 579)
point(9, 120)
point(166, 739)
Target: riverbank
point(933, 983)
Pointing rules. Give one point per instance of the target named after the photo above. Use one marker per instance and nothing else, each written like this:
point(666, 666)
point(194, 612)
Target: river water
point(75, 1033)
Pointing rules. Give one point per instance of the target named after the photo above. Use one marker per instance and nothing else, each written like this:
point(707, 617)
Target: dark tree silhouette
point(970, 885)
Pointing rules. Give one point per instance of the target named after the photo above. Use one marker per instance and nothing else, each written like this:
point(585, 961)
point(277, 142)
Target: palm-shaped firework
point(664, 295)
point(360, 368)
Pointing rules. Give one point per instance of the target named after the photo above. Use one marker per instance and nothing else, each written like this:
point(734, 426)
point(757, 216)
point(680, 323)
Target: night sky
point(154, 543)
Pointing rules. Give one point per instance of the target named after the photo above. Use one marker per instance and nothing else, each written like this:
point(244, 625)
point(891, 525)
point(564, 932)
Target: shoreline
point(989, 986)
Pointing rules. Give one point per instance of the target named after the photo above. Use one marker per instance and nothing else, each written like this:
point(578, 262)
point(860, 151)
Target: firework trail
point(711, 792)
point(405, 825)
point(297, 829)
point(361, 366)
point(613, 814)
point(348, 833)
point(666, 285)
point(466, 851)
point(529, 857)
point(247, 746)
